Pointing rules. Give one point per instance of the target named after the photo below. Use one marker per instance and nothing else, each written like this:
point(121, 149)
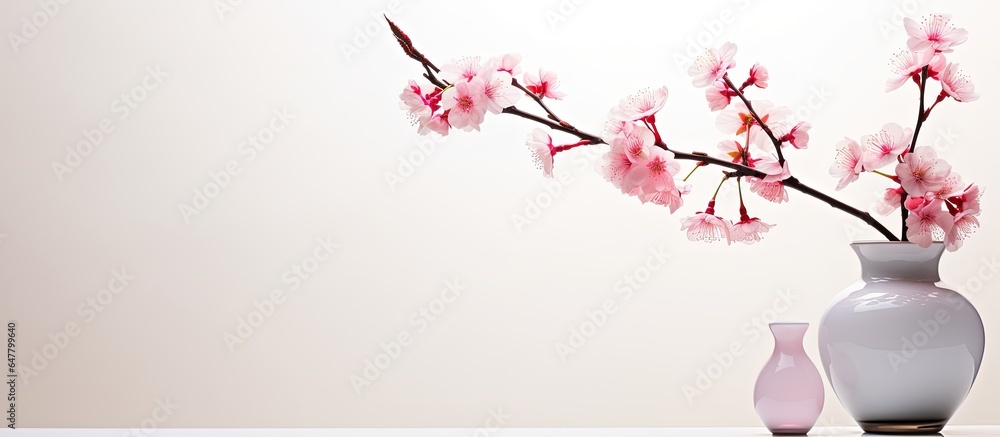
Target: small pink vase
point(788, 395)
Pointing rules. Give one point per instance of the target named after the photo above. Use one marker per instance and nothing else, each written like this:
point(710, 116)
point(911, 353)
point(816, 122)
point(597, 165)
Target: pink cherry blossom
point(927, 221)
point(711, 66)
point(758, 76)
point(890, 200)
point(922, 172)
point(748, 230)
point(957, 85)
point(669, 198)
point(964, 208)
point(964, 225)
point(848, 164)
point(635, 141)
point(642, 105)
point(465, 103)
point(936, 66)
point(906, 64)
point(737, 119)
point(952, 185)
point(629, 149)
point(497, 90)
point(719, 95)
point(797, 136)
point(933, 33)
point(771, 191)
point(616, 166)
point(885, 146)
point(735, 151)
point(544, 84)
point(775, 172)
point(413, 98)
point(510, 63)
point(542, 150)
point(655, 174)
point(707, 227)
point(437, 123)
point(422, 104)
point(464, 69)
point(612, 128)
point(967, 200)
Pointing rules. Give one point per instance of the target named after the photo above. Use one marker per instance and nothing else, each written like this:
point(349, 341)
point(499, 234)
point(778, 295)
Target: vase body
point(788, 395)
point(900, 349)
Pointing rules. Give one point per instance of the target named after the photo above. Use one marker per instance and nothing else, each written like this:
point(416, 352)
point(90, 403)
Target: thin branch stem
point(691, 172)
point(794, 183)
point(434, 80)
point(764, 126)
point(745, 153)
point(725, 177)
point(656, 134)
point(566, 147)
point(921, 116)
point(594, 139)
point(881, 173)
point(538, 100)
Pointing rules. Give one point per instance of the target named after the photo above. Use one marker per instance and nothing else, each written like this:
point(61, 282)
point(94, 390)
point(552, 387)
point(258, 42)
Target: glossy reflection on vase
point(788, 395)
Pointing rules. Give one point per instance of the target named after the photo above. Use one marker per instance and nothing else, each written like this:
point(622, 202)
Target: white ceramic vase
point(900, 349)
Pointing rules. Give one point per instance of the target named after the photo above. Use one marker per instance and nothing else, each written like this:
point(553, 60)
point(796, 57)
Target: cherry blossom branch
point(794, 183)
point(699, 157)
point(411, 51)
point(767, 130)
point(431, 70)
point(738, 170)
point(921, 117)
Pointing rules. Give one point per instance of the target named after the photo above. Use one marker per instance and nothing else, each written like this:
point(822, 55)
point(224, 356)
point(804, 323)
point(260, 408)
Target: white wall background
point(161, 340)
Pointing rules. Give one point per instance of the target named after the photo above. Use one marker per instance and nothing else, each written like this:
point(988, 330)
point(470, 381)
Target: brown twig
point(921, 117)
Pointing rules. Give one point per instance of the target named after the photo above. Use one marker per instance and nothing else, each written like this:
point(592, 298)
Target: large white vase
point(901, 349)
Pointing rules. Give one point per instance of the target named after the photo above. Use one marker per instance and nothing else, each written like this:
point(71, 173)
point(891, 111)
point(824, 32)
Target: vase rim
point(787, 323)
point(881, 260)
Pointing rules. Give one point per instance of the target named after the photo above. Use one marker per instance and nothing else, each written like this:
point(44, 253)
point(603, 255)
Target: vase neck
point(788, 336)
point(898, 261)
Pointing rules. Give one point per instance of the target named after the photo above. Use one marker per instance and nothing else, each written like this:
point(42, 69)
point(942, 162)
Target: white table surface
point(949, 431)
